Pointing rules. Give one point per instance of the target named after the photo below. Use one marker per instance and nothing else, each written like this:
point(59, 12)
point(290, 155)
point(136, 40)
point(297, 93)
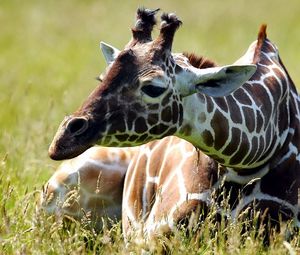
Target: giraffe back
point(166, 181)
point(89, 185)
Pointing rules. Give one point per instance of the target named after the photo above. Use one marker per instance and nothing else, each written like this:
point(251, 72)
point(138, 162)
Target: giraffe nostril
point(77, 126)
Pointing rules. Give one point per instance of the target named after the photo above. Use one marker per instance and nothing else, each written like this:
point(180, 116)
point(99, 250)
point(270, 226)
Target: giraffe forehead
point(139, 63)
point(122, 74)
point(148, 56)
point(152, 74)
point(144, 50)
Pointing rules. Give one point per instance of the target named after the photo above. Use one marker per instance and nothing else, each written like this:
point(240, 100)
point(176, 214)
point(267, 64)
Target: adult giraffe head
point(142, 91)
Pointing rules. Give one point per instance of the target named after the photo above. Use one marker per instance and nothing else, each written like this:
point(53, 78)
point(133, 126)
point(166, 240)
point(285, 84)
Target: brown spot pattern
point(140, 125)
point(221, 127)
point(208, 138)
point(234, 110)
point(232, 146)
point(250, 118)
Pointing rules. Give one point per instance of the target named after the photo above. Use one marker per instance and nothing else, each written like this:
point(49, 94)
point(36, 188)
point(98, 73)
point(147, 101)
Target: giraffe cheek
point(166, 114)
point(152, 119)
point(158, 129)
point(180, 114)
point(175, 113)
point(117, 124)
point(140, 125)
point(122, 137)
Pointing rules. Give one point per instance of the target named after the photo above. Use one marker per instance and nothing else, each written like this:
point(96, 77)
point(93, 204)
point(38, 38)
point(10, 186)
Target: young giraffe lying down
point(176, 180)
point(165, 182)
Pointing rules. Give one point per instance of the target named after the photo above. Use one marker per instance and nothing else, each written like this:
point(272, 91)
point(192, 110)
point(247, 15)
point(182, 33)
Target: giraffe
point(177, 180)
point(89, 186)
point(167, 181)
point(244, 116)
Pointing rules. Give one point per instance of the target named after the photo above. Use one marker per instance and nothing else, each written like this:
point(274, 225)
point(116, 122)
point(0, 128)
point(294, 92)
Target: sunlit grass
point(49, 57)
point(26, 230)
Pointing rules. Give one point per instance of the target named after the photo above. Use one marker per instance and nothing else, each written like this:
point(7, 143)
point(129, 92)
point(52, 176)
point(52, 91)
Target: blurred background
point(49, 57)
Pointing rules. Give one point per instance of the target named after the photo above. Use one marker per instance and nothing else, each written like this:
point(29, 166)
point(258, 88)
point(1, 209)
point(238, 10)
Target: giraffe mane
point(199, 61)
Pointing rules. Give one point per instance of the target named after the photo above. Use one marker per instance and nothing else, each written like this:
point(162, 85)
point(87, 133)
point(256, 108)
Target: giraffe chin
point(61, 153)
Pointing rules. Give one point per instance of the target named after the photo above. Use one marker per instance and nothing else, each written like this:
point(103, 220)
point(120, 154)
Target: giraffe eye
point(153, 91)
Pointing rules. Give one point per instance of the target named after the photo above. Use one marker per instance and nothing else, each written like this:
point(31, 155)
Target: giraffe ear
point(219, 81)
point(110, 53)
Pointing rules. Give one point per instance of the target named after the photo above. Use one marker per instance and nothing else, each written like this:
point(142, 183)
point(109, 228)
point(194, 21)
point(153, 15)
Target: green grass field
point(49, 56)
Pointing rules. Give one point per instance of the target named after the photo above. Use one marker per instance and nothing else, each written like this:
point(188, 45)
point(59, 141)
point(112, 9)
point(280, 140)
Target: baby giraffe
point(176, 181)
point(90, 185)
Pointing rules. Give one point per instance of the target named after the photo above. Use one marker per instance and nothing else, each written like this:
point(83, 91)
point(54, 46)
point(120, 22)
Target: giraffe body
point(89, 185)
point(244, 116)
point(166, 181)
point(160, 190)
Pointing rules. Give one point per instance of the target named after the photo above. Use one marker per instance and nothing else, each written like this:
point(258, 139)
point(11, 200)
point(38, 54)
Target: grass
point(49, 57)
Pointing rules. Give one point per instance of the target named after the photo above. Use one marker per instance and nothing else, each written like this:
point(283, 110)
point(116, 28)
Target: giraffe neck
point(244, 129)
